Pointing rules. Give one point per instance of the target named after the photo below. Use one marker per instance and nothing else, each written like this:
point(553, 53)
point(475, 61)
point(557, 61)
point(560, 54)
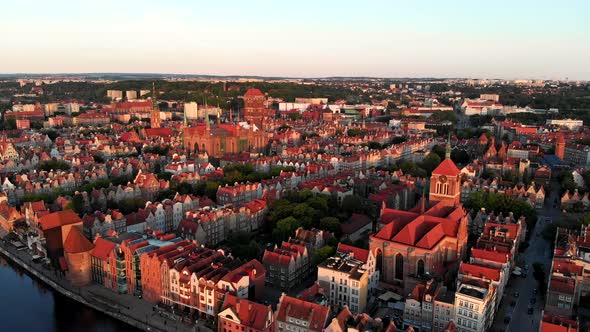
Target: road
point(539, 250)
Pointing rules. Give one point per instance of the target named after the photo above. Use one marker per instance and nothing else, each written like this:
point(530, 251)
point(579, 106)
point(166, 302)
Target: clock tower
point(445, 183)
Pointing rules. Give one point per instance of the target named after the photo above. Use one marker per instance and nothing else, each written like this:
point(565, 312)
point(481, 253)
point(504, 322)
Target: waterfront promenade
point(124, 307)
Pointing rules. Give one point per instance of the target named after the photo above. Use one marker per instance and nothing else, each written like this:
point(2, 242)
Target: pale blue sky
point(505, 39)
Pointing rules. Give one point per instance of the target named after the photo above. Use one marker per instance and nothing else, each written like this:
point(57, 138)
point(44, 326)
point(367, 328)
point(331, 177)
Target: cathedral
point(426, 241)
point(224, 138)
point(230, 138)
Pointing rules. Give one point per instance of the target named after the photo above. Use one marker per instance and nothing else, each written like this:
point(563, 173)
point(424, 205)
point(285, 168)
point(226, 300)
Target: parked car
point(535, 291)
point(533, 301)
point(516, 294)
point(530, 310)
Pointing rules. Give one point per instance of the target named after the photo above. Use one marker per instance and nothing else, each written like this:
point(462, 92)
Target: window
point(420, 269)
point(399, 267)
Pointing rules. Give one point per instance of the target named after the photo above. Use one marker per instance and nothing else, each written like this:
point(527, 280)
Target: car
point(513, 303)
point(533, 301)
point(530, 310)
point(523, 275)
point(516, 294)
point(506, 319)
point(535, 291)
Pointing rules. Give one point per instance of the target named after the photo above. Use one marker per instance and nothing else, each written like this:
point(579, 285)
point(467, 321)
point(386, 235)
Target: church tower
point(560, 147)
point(155, 114)
point(445, 182)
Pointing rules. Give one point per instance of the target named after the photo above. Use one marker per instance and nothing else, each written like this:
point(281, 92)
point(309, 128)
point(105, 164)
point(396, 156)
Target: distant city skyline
point(501, 39)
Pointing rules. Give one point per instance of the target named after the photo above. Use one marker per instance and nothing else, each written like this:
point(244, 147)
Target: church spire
point(448, 149)
point(423, 200)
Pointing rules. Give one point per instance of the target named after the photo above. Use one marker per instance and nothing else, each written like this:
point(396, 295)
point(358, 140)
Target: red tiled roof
point(489, 255)
point(251, 314)
point(58, 219)
point(550, 323)
point(479, 271)
point(447, 167)
point(358, 253)
point(563, 265)
point(315, 314)
point(562, 285)
point(76, 242)
point(102, 248)
point(253, 92)
point(154, 132)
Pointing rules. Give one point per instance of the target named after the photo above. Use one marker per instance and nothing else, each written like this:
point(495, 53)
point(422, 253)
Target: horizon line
point(286, 77)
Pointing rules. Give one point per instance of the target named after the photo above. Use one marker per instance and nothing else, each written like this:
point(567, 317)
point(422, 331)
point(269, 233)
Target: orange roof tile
point(76, 242)
point(358, 253)
point(58, 219)
point(102, 248)
point(315, 314)
point(447, 167)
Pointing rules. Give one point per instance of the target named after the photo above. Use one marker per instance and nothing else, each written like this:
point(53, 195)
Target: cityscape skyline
point(507, 40)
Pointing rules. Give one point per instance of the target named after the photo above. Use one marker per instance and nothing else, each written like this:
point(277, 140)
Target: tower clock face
point(443, 179)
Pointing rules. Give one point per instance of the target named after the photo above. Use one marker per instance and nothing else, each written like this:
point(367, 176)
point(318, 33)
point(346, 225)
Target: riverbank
point(125, 308)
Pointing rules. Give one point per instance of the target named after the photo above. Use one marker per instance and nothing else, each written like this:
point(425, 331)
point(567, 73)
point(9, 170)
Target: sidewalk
point(125, 307)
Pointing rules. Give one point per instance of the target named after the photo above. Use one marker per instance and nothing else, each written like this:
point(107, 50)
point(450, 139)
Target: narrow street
point(539, 250)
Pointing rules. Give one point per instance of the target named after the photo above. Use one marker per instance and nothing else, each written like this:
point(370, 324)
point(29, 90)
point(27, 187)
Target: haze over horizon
point(503, 39)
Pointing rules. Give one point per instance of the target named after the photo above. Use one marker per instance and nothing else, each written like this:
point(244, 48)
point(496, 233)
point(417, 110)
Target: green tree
point(375, 145)
point(285, 228)
point(322, 254)
point(352, 203)
point(211, 189)
point(78, 204)
point(439, 150)
point(460, 157)
point(430, 163)
point(331, 224)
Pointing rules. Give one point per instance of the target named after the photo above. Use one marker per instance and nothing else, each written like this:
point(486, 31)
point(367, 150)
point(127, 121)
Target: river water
point(28, 305)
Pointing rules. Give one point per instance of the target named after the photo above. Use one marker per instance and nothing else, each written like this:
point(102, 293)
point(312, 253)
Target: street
point(539, 250)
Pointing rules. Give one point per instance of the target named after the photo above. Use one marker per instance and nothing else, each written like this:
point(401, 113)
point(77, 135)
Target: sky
point(445, 38)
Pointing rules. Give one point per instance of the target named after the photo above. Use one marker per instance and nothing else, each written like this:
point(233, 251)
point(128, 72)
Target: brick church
point(426, 241)
point(230, 138)
point(255, 110)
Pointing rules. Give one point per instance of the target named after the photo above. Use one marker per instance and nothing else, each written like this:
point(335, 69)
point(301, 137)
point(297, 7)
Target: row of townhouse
point(572, 200)
point(481, 282)
point(534, 194)
point(161, 216)
point(173, 271)
point(287, 265)
point(307, 312)
point(569, 276)
point(47, 182)
point(212, 225)
point(239, 193)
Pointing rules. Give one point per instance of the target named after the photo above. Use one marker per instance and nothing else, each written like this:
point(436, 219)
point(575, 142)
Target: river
point(28, 305)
